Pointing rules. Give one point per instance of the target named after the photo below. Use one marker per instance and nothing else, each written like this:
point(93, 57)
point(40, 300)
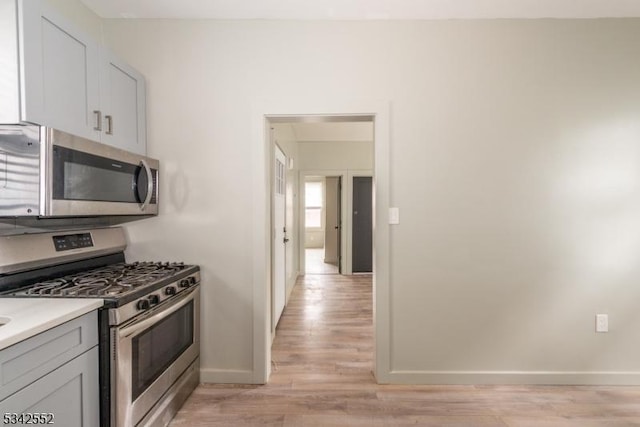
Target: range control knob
point(192, 280)
point(170, 290)
point(154, 299)
point(184, 283)
point(143, 304)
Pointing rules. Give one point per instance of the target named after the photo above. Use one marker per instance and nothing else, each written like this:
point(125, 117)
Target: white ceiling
point(363, 9)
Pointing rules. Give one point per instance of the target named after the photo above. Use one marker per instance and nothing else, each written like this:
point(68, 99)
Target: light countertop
point(26, 317)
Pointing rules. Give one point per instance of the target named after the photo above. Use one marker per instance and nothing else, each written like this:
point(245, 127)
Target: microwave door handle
point(147, 199)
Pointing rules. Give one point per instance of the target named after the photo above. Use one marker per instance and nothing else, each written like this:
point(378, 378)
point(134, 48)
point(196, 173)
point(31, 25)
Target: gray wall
point(514, 158)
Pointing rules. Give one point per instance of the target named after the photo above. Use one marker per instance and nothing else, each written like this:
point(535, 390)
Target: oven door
point(151, 354)
point(85, 178)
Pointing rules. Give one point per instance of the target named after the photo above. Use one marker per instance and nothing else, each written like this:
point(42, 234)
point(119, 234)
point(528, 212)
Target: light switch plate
point(602, 323)
point(394, 216)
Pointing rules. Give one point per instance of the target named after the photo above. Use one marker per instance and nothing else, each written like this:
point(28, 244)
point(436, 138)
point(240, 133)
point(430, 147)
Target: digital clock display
point(72, 241)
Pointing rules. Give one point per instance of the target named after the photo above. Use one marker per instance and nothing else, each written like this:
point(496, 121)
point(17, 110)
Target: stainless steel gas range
point(149, 325)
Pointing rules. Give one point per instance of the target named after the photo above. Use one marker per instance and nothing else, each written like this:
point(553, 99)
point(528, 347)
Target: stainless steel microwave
point(47, 173)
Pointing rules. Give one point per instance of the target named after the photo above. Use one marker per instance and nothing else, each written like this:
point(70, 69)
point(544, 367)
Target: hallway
point(325, 336)
point(322, 376)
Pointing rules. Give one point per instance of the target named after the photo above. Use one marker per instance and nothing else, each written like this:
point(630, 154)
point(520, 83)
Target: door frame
point(303, 175)
point(262, 113)
point(346, 240)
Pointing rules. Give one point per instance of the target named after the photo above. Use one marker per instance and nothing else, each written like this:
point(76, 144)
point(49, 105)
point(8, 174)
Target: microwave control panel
point(72, 241)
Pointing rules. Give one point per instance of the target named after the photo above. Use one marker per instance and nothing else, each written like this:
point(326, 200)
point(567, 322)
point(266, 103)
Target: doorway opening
point(378, 119)
point(322, 224)
point(333, 161)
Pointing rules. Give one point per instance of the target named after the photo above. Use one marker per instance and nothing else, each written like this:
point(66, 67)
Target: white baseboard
point(511, 377)
point(291, 282)
point(226, 376)
point(220, 376)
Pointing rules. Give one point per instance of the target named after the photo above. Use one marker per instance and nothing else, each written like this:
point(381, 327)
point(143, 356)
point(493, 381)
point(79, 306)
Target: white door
point(279, 236)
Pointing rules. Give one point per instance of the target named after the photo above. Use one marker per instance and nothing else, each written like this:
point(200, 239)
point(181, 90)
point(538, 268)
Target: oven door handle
point(144, 324)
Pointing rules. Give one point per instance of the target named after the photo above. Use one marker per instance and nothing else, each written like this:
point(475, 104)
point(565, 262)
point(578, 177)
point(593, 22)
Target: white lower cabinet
point(67, 396)
point(52, 378)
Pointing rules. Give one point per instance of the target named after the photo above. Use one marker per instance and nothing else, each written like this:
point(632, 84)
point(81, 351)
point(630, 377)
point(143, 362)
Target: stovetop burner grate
point(109, 281)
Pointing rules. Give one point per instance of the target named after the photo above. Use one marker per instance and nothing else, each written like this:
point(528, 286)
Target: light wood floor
point(314, 262)
point(322, 376)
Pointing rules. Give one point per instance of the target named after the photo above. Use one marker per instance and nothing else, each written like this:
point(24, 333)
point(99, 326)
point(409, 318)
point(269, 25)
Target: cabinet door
point(69, 394)
point(59, 72)
point(10, 74)
point(122, 95)
point(25, 362)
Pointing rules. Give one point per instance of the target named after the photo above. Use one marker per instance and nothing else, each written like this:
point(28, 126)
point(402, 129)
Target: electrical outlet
point(602, 323)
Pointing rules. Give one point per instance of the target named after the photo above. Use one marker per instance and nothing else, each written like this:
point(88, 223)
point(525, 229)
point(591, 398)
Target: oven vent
point(114, 341)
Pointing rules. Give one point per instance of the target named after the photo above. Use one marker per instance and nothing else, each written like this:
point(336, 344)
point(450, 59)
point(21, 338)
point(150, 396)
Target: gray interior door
point(362, 256)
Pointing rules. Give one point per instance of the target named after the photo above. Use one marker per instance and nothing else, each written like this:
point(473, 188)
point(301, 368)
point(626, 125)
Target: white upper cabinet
point(123, 103)
point(56, 75)
point(9, 64)
point(60, 75)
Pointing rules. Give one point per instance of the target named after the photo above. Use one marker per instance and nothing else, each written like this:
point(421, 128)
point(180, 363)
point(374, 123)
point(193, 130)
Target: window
point(313, 204)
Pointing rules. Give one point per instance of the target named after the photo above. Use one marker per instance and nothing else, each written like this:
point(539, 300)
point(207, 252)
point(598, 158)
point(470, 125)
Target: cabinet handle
point(98, 114)
point(109, 120)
